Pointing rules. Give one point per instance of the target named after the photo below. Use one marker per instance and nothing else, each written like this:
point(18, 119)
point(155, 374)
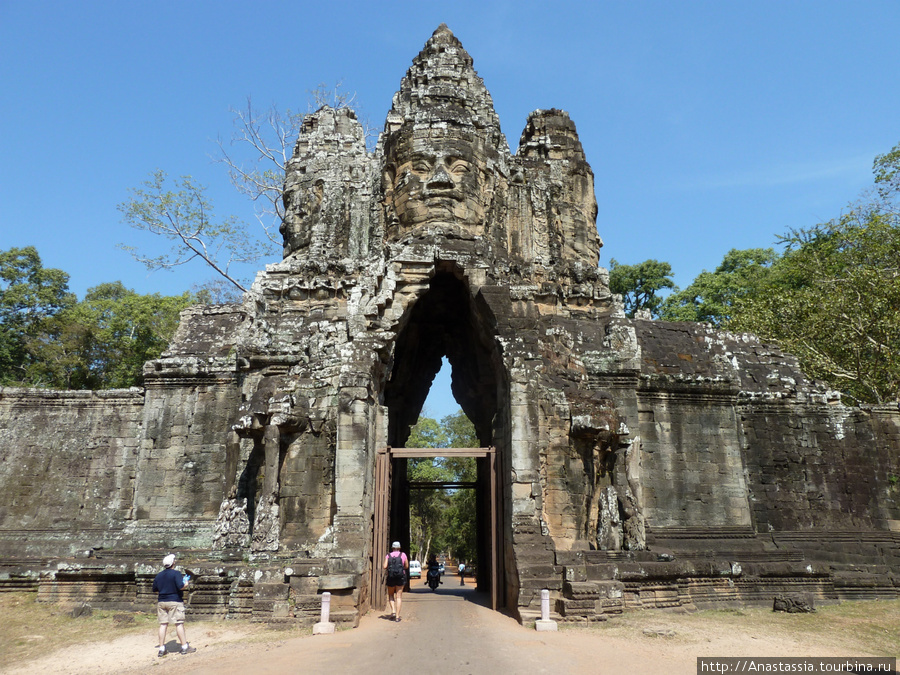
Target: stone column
point(272, 447)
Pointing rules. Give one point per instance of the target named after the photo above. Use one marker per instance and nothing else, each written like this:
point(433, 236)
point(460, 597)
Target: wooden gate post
point(381, 529)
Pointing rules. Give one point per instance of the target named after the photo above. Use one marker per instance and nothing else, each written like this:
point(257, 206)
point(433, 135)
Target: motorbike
point(433, 577)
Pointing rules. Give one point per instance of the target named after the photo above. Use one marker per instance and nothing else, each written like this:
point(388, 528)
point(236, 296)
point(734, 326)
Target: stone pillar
point(272, 447)
point(351, 454)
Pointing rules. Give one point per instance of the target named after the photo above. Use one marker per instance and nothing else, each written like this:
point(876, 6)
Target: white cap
point(169, 560)
point(396, 544)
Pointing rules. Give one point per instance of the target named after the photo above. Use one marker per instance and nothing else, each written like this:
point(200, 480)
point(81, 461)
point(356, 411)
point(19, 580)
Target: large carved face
point(582, 242)
point(302, 208)
point(438, 180)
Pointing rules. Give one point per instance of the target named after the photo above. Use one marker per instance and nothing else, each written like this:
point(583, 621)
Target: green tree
point(639, 285)
point(49, 339)
point(103, 341)
point(30, 296)
point(712, 295)
point(459, 431)
point(183, 214)
point(427, 507)
point(461, 515)
point(124, 330)
point(426, 433)
point(443, 519)
point(833, 300)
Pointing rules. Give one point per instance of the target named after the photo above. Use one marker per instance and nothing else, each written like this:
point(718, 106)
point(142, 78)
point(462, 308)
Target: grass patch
point(863, 627)
point(33, 629)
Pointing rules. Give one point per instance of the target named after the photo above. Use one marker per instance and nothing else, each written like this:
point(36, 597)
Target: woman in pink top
point(396, 565)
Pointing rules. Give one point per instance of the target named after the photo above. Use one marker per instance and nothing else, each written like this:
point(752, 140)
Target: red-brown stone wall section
point(693, 473)
point(307, 487)
point(183, 454)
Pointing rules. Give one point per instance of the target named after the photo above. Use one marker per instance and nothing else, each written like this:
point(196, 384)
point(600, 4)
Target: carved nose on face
point(440, 178)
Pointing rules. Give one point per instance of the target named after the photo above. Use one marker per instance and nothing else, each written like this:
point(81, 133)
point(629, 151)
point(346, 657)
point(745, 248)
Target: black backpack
point(395, 566)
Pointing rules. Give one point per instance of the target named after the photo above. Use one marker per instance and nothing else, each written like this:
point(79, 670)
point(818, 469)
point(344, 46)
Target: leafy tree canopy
point(30, 295)
point(832, 297)
point(49, 339)
point(711, 296)
point(639, 285)
point(833, 300)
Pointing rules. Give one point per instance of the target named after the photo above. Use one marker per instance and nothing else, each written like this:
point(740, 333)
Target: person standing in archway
point(396, 564)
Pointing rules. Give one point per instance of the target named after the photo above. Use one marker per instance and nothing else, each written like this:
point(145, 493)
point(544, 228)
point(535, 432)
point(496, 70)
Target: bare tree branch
point(184, 216)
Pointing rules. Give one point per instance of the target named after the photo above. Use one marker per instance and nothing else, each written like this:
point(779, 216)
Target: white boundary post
point(324, 626)
point(545, 623)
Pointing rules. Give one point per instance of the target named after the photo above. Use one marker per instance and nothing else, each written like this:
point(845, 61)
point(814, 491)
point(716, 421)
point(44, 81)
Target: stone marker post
point(545, 623)
point(324, 626)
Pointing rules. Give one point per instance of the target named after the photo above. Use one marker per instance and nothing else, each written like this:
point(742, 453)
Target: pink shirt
point(394, 554)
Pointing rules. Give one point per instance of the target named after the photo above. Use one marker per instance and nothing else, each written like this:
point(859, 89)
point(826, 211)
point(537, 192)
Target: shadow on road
point(419, 592)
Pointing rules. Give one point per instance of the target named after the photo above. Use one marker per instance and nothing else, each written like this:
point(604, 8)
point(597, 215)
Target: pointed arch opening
point(447, 321)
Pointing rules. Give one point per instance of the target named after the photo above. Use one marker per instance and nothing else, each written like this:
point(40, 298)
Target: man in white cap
point(169, 585)
point(396, 565)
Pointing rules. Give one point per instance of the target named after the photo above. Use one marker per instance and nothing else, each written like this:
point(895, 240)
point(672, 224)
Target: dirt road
point(445, 632)
point(452, 632)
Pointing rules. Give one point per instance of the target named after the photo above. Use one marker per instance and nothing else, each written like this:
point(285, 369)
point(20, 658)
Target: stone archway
point(447, 321)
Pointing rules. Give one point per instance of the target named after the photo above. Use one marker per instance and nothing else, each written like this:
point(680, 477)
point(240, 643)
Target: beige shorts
point(170, 612)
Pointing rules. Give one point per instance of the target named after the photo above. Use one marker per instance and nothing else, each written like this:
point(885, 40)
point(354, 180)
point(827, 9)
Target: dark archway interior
point(444, 322)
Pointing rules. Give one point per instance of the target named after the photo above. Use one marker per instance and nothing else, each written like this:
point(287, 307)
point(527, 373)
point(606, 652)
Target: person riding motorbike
point(433, 576)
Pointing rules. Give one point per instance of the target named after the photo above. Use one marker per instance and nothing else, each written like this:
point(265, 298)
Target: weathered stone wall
point(182, 461)
point(815, 469)
point(67, 469)
point(692, 463)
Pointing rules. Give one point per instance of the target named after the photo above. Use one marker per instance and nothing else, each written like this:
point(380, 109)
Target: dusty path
point(449, 632)
point(445, 632)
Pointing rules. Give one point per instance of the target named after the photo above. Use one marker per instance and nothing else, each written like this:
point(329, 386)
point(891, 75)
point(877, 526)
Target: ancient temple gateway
point(625, 463)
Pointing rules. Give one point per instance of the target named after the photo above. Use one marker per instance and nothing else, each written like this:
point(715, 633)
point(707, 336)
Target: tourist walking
point(169, 586)
point(396, 565)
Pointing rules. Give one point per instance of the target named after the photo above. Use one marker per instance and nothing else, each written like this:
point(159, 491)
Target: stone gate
point(637, 463)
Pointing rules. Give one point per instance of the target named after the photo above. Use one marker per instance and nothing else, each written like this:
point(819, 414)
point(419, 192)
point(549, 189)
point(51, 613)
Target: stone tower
point(627, 462)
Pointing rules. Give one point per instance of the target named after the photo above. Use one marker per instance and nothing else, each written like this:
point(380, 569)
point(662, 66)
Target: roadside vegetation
point(830, 295)
point(863, 628)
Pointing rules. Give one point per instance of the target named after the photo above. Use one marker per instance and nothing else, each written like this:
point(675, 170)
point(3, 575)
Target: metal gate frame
point(381, 530)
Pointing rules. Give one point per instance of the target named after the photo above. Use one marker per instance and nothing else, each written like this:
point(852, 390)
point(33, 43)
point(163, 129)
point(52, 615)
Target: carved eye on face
point(458, 167)
point(421, 166)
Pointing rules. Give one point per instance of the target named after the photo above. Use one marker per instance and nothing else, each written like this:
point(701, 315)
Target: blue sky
point(709, 125)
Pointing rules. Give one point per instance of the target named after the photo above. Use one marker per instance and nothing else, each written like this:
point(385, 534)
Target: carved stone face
point(302, 212)
point(439, 180)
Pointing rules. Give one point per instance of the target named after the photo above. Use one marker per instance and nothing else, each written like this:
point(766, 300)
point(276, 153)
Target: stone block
point(335, 582)
point(271, 591)
point(794, 604)
point(581, 590)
